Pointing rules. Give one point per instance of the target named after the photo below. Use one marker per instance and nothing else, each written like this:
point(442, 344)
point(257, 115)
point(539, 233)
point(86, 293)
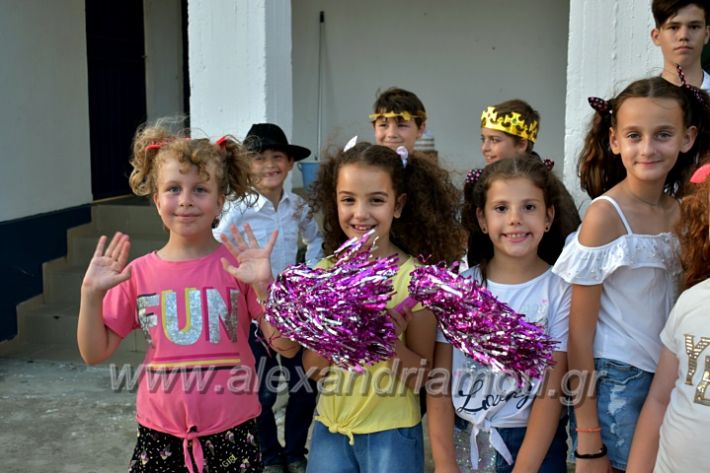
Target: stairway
point(47, 323)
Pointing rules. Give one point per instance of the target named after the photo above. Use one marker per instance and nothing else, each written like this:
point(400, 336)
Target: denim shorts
point(392, 451)
point(621, 392)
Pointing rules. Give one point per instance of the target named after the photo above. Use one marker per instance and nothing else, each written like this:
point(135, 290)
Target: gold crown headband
point(512, 123)
point(406, 116)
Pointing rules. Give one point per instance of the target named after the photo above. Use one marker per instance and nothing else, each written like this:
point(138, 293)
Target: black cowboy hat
point(263, 136)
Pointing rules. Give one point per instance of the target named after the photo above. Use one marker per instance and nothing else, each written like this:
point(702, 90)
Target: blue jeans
point(621, 391)
point(391, 451)
point(555, 460)
point(299, 410)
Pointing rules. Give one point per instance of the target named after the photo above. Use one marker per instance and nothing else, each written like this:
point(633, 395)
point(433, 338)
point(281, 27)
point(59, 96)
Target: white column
point(240, 65)
point(609, 47)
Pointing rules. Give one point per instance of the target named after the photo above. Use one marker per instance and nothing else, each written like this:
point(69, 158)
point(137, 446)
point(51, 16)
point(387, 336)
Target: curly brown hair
point(693, 234)
point(152, 144)
point(480, 247)
point(428, 226)
point(600, 169)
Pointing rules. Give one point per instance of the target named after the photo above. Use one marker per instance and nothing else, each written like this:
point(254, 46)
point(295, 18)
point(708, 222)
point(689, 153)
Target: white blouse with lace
point(639, 276)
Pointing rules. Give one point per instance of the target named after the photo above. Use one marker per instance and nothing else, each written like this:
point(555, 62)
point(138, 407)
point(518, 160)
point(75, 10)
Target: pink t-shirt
point(198, 374)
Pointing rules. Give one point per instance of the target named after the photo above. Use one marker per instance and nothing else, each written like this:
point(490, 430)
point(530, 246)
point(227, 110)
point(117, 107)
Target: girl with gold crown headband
point(675, 419)
point(510, 129)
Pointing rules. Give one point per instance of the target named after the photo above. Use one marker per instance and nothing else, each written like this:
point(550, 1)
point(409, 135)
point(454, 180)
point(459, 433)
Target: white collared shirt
point(291, 220)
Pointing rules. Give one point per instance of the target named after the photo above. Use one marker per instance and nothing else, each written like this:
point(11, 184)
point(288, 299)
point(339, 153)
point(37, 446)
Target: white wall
point(240, 64)
point(609, 46)
point(163, 62)
point(44, 117)
point(457, 55)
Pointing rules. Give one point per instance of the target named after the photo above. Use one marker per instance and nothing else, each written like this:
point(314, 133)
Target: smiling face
point(496, 145)
point(395, 131)
point(682, 36)
point(367, 200)
point(187, 202)
point(515, 218)
point(269, 170)
point(649, 135)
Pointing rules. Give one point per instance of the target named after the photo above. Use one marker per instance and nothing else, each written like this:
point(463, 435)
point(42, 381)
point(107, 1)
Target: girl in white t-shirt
point(674, 425)
point(515, 225)
point(623, 263)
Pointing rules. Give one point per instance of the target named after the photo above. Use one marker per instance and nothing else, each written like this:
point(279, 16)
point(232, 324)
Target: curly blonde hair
point(693, 234)
point(428, 226)
point(153, 144)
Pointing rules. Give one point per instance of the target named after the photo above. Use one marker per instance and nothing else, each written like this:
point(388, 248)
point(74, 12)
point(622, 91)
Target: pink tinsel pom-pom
point(338, 312)
point(481, 326)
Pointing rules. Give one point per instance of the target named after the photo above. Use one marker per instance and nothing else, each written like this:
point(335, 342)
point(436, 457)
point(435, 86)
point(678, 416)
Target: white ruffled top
point(639, 276)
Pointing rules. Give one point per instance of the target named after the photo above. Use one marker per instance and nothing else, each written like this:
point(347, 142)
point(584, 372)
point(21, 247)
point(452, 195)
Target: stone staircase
point(47, 323)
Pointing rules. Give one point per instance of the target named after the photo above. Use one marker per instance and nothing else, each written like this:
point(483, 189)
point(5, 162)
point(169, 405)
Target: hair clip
point(349, 145)
point(600, 105)
point(473, 175)
point(701, 174)
point(549, 164)
point(221, 142)
point(692, 88)
point(156, 145)
point(403, 154)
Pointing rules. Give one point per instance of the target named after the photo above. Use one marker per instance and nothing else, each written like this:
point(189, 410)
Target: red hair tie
point(155, 145)
point(221, 142)
point(700, 174)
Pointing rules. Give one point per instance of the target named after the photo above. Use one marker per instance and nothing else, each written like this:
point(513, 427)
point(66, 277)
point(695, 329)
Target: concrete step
point(131, 219)
point(50, 319)
point(56, 324)
point(82, 247)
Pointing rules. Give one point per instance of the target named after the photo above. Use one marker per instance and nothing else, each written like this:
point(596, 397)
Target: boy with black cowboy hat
point(275, 208)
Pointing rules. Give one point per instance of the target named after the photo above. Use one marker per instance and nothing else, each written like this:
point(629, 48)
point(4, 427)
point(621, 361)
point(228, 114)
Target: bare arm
point(644, 448)
point(278, 342)
point(544, 418)
point(601, 225)
point(440, 411)
point(314, 364)
point(414, 356)
point(106, 270)
point(254, 268)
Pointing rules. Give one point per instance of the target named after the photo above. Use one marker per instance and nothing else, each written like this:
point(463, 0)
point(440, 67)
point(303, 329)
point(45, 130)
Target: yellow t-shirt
point(374, 400)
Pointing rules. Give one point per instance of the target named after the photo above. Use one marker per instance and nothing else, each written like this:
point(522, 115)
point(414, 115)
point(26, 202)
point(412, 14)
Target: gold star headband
point(512, 123)
point(406, 116)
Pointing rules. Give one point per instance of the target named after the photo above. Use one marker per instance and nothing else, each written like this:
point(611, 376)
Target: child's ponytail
point(599, 169)
point(147, 143)
point(236, 182)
